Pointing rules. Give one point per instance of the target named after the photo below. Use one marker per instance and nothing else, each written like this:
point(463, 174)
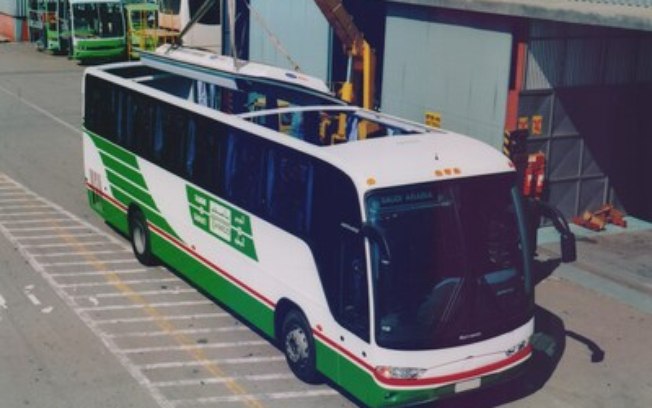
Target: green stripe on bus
point(137, 194)
point(150, 215)
point(215, 285)
point(127, 172)
point(211, 282)
point(113, 149)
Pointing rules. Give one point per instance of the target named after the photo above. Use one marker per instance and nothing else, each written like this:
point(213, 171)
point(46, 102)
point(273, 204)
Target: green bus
point(97, 30)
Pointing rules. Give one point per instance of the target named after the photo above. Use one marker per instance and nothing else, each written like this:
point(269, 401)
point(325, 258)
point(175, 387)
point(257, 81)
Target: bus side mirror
point(374, 234)
point(568, 247)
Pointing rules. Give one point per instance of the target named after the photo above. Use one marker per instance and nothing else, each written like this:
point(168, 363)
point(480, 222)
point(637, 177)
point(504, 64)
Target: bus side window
point(244, 170)
point(202, 158)
point(339, 253)
point(289, 190)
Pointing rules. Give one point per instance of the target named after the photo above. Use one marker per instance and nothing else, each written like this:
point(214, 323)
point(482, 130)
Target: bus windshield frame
point(97, 20)
point(451, 266)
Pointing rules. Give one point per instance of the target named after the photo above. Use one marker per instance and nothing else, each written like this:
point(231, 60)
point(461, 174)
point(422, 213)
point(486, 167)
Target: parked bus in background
point(390, 257)
point(97, 30)
point(205, 33)
point(143, 30)
point(49, 25)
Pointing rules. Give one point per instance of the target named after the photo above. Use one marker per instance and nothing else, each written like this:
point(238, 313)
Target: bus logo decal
point(222, 221)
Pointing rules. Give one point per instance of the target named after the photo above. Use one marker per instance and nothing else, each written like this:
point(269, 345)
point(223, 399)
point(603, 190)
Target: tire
point(140, 239)
point(299, 347)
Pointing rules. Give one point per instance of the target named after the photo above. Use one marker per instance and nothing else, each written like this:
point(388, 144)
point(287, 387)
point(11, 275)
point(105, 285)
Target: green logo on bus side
point(222, 221)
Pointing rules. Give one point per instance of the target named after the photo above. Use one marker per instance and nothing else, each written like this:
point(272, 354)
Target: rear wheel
point(299, 347)
point(140, 241)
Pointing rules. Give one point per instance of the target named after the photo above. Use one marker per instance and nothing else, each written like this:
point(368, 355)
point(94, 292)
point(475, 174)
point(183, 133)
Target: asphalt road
point(81, 325)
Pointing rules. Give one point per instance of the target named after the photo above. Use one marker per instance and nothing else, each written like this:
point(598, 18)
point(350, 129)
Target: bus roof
point(167, 54)
point(416, 158)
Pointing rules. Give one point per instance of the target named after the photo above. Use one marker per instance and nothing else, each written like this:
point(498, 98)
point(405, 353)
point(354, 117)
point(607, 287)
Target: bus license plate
point(467, 385)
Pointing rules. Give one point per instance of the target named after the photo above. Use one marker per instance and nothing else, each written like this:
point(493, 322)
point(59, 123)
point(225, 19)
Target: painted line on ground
point(84, 234)
point(151, 319)
point(23, 222)
point(104, 241)
point(185, 343)
point(73, 253)
point(222, 361)
point(22, 207)
point(28, 214)
point(211, 380)
point(130, 282)
point(139, 306)
point(141, 293)
point(263, 397)
point(42, 111)
point(91, 273)
point(32, 229)
point(88, 262)
point(187, 347)
point(207, 330)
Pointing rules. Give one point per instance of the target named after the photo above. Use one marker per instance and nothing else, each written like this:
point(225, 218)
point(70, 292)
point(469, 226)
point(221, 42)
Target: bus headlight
point(403, 373)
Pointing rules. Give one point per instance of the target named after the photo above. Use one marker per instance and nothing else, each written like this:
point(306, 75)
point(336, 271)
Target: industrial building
point(13, 22)
point(577, 74)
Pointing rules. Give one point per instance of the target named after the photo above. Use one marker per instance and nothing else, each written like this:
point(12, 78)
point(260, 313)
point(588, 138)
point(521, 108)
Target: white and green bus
point(387, 256)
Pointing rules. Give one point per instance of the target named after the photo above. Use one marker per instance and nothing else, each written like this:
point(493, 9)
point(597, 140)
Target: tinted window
point(244, 170)
point(289, 190)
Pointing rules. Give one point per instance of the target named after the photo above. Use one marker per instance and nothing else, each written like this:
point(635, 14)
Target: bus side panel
point(213, 284)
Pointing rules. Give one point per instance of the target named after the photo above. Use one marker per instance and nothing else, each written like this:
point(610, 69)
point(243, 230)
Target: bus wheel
point(140, 242)
point(299, 347)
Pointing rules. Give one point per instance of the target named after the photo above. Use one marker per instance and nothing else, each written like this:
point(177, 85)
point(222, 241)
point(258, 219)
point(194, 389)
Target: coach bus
point(384, 255)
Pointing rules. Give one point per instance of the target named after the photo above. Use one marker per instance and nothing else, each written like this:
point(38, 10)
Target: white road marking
point(255, 397)
point(81, 253)
point(175, 291)
point(89, 262)
point(86, 242)
point(223, 361)
point(185, 347)
point(181, 331)
point(22, 207)
point(32, 298)
point(29, 214)
point(154, 318)
point(126, 282)
point(213, 380)
point(59, 228)
point(142, 306)
point(100, 273)
point(3, 303)
point(39, 221)
point(47, 310)
point(67, 234)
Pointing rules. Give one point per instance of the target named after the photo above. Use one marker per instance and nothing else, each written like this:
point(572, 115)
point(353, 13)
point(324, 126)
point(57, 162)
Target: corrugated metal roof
point(630, 14)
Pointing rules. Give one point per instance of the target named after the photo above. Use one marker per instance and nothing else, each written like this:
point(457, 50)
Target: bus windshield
point(452, 269)
point(97, 20)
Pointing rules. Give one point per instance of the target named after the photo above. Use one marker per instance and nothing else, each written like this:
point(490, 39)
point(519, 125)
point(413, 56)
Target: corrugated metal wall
point(448, 63)
point(14, 8)
point(587, 87)
point(302, 30)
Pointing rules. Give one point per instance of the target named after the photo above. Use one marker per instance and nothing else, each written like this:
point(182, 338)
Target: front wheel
point(140, 242)
point(299, 347)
